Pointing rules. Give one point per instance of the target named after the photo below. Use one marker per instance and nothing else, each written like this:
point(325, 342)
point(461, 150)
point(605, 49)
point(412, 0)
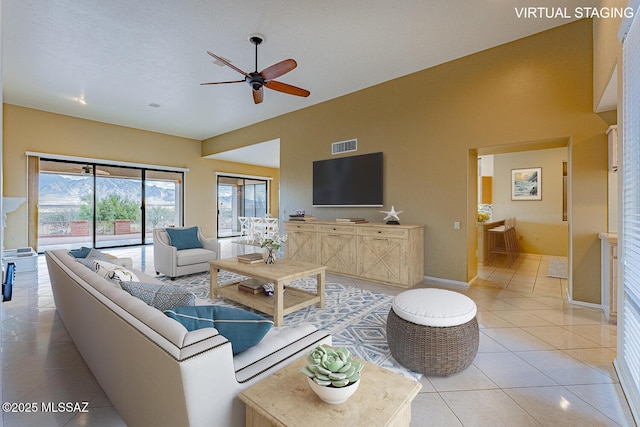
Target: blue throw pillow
point(243, 328)
point(184, 238)
point(80, 253)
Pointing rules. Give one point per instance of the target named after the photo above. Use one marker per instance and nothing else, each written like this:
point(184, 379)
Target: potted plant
point(332, 373)
point(271, 244)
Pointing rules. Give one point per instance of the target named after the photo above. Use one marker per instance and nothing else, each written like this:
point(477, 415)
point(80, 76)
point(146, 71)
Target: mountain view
point(59, 190)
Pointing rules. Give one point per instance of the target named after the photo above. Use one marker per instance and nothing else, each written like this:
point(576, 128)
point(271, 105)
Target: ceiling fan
point(258, 80)
point(88, 170)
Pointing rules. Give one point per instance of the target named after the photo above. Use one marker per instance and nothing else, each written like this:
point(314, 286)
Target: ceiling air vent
point(344, 146)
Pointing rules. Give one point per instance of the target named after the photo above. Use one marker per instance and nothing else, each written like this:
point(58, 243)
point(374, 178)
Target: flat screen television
point(348, 181)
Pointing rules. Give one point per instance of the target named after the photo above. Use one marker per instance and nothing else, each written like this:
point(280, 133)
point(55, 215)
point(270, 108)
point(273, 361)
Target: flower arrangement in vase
point(271, 244)
point(483, 217)
point(332, 373)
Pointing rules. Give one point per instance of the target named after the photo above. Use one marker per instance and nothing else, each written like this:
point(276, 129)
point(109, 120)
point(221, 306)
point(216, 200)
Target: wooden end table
point(282, 272)
point(285, 399)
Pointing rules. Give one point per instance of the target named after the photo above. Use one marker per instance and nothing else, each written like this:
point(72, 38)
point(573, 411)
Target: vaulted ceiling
point(139, 63)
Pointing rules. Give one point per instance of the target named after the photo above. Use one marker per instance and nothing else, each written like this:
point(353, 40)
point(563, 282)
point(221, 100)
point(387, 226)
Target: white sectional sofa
point(152, 369)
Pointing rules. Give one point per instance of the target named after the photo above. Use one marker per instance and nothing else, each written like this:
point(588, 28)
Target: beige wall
point(33, 130)
point(607, 54)
point(607, 50)
point(588, 213)
point(537, 88)
point(539, 224)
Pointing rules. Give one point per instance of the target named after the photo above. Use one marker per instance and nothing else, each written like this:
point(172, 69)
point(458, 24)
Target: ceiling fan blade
point(278, 69)
point(283, 87)
point(258, 95)
point(227, 63)
point(221, 83)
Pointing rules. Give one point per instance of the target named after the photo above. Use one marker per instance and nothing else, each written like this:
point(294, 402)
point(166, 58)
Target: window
point(101, 205)
point(629, 324)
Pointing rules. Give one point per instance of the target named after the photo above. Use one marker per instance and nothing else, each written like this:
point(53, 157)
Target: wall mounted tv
point(348, 181)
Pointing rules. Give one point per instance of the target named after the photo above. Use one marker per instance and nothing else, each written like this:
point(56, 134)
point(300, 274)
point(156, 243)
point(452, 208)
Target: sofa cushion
point(162, 297)
point(194, 256)
point(80, 253)
point(434, 307)
point(94, 255)
point(184, 238)
point(162, 236)
point(112, 271)
point(243, 328)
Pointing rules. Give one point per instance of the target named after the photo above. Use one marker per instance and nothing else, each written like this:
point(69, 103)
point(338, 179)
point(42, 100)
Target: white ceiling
point(123, 55)
point(262, 154)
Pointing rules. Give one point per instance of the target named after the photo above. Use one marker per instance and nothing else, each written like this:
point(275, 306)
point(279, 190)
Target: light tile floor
point(541, 362)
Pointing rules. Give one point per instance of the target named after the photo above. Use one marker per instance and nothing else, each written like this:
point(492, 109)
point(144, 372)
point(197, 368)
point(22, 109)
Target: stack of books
point(301, 217)
point(352, 220)
point(252, 286)
point(253, 258)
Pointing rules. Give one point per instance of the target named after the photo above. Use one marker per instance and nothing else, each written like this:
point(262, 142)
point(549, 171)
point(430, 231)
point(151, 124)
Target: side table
point(285, 399)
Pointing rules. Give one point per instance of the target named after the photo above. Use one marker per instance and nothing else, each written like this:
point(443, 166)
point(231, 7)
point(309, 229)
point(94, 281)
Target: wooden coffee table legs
point(320, 281)
point(213, 272)
point(279, 293)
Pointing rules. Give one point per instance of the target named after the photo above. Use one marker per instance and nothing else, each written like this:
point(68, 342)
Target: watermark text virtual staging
point(577, 13)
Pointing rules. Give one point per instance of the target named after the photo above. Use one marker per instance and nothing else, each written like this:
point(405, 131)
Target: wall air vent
point(344, 146)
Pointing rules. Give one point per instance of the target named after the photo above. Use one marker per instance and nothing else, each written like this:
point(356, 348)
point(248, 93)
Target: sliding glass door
point(118, 206)
point(240, 197)
point(65, 205)
point(162, 200)
point(101, 206)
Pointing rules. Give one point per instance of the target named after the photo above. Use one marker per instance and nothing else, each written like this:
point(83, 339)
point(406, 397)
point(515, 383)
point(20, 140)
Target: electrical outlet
point(456, 225)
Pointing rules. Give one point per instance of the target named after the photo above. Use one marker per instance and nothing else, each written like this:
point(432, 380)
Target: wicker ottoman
point(433, 331)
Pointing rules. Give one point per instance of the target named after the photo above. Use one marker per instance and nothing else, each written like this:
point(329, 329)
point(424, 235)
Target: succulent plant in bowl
point(332, 374)
point(331, 367)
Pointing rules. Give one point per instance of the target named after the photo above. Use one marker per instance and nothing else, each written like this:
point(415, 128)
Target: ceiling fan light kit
point(265, 78)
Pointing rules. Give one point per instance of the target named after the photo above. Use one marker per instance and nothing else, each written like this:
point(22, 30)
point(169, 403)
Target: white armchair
point(173, 262)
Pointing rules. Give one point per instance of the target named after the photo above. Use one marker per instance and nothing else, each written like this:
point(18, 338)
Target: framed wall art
point(526, 184)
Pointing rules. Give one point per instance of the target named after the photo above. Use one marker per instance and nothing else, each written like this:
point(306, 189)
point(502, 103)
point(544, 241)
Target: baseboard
point(584, 304)
point(449, 281)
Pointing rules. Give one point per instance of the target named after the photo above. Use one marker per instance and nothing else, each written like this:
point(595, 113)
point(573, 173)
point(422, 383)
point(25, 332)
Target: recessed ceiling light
point(81, 101)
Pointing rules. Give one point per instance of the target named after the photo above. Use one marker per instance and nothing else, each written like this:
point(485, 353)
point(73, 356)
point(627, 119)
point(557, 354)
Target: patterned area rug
point(356, 318)
point(558, 269)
